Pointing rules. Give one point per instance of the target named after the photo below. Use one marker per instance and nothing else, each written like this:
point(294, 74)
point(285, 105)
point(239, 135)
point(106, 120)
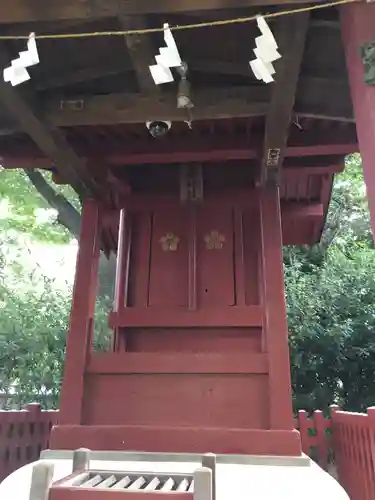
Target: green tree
point(34, 316)
point(31, 204)
point(331, 304)
point(34, 312)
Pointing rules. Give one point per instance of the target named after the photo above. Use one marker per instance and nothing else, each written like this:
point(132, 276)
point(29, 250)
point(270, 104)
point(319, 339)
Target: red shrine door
point(192, 288)
point(200, 355)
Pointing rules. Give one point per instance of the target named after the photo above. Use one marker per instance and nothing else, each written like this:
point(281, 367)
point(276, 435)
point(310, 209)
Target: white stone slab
point(268, 478)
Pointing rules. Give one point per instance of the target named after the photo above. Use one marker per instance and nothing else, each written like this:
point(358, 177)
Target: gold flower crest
point(169, 242)
point(214, 240)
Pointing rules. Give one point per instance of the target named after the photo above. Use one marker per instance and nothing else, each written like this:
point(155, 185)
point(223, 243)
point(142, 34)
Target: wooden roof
point(84, 109)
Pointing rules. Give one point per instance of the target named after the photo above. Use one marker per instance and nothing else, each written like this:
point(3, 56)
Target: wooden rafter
point(213, 103)
point(291, 37)
point(133, 108)
point(50, 140)
point(141, 53)
point(184, 151)
point(18, 11)
point(60, 80)
point(113, 109)
point(27, 160)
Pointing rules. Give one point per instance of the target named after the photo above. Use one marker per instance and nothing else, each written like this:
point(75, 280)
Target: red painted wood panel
point(215, 259)
point(141, 226)
point(196, 291)
point(251, 250)
point(219, 243)
point(218, 400)
point(197, 340)
point(184, 363)
point(168, 274)
point(168, 317)
point(177, 439)
point(61, 493)
point(195, 285)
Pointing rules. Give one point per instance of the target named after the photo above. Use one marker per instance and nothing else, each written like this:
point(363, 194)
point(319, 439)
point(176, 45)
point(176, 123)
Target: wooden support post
point(275, 323)
point(41, 481)
point(79, 336)
point(358, 28)
point(141, 53)
point(49, 139)
point(209, 461)
point(291, 38)
point(203, 484)
point(122, 276)
point(81, 459)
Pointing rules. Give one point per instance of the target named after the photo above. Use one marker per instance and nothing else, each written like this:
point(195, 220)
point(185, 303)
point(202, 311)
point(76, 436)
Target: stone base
point(237, 477)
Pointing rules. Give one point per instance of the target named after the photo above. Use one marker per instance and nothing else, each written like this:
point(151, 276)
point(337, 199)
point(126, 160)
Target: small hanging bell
point(184, 88)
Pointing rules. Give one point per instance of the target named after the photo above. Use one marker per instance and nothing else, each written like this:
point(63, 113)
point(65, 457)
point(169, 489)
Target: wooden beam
point(307, 83)
point(141, 52)
point(234, 102)
point(210, 104)
point(18, 11)
point(334, 117)
point(297, 210)
point(49, 140)
point(178, 151)
point(291, 37)
point(328, 170)
point(185, 363)
point(59, 80)
point(322, 149)
point(133, 108)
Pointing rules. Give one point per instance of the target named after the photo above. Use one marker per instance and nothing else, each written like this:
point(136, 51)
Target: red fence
point(316, 437)
point(345, 442)
point(345, 446)
point(23, 434)
point(353, 441)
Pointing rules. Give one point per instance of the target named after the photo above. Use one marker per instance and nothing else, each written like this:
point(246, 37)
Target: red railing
point(354, 445)
point(23, 434)
point(316, 434)
point(344, 442)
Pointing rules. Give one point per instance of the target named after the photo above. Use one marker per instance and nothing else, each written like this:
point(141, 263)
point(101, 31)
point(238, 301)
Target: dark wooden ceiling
point(89, 98)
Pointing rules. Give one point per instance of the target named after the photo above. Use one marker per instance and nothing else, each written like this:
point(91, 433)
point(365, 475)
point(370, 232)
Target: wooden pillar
point(358, 27)
point(275, 322)
point(122, 275)
point(78, 343)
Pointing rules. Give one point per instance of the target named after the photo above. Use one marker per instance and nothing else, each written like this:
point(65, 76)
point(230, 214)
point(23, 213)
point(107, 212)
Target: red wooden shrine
point(200, 356)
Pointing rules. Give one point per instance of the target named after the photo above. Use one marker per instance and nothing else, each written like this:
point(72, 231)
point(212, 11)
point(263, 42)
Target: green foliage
point(330, 291)
point(21, 208)
point(34, 316)
point(33, 324)
point(34, 312)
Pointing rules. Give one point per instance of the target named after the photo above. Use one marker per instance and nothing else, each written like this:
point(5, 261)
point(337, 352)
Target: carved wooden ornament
point(169, 242)
point(214, 240)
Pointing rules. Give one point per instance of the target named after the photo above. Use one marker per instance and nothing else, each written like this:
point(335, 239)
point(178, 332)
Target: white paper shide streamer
point(265, 52)
point(17, 73)
point(167, 58)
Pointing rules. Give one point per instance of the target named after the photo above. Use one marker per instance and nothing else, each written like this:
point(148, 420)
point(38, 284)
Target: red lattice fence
point(344, 442)
point(23, 434)
point(316, 437)
point(354, 445)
